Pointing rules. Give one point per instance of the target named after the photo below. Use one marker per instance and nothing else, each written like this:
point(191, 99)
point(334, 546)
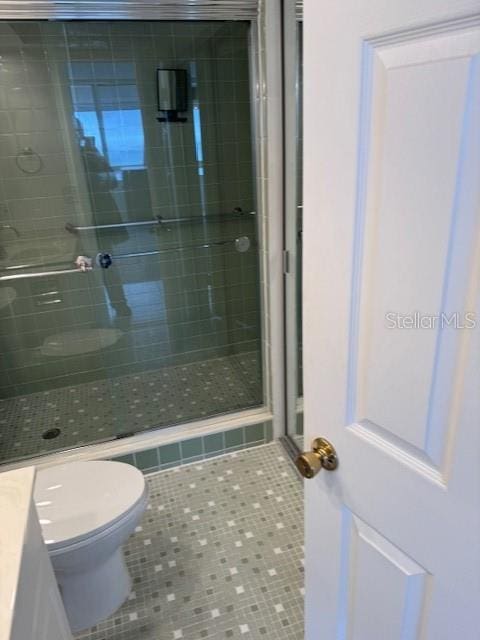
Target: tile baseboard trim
point(198, 449)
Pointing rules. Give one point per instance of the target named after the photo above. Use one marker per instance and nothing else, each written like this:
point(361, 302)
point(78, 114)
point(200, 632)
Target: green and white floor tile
point(218, 554)
point(105, 409)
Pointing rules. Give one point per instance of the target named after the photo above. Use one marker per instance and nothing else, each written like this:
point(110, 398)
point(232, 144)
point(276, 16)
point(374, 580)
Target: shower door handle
point(104, 260)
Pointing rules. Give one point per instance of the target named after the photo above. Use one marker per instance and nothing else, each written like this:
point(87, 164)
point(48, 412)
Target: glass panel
point(293, 79)
point(299, 143)
point(163, 325)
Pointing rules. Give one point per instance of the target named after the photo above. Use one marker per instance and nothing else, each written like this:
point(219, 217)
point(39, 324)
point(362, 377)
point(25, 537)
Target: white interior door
point(392, 242)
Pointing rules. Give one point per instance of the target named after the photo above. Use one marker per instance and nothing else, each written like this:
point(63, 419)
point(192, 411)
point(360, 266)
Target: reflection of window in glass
point(109, 111)
point(124, 137)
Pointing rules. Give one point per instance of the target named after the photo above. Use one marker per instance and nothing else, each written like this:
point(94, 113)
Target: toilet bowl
point(87, 510)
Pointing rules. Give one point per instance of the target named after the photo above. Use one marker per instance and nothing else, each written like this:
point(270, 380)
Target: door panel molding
point(377, 570)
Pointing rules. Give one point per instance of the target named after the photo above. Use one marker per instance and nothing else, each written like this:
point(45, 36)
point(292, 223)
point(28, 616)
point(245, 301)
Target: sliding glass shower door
point(129, 278)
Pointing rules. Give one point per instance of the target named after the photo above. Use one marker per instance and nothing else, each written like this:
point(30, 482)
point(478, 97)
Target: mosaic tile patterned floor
point(103, 409)
point(218, 554)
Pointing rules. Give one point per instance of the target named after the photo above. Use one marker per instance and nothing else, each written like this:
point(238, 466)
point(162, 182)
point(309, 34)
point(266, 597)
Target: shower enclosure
point(129, 243)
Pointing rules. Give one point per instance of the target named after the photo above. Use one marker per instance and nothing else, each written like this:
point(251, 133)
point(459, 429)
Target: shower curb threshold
point(155, 439)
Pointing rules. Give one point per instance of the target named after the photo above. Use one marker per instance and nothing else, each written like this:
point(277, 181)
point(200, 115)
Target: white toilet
point(87, 511)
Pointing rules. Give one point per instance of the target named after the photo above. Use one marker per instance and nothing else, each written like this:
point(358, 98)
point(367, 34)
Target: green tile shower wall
point(189, 305)
point(196, 449)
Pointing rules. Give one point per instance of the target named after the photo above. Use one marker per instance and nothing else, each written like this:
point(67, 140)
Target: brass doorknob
point(322, 456)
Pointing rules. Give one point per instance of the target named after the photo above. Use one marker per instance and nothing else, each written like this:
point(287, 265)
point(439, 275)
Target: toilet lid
point(79, 499)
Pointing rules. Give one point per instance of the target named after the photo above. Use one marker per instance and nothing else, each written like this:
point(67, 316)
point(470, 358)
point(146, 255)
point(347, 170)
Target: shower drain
point(49, 434)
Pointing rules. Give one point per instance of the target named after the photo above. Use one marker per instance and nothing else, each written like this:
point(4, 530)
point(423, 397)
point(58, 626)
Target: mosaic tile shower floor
point(218, 554)
point(102, 409)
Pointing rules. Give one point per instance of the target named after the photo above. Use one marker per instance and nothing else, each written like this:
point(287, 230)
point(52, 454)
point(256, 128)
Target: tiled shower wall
point(179, 307)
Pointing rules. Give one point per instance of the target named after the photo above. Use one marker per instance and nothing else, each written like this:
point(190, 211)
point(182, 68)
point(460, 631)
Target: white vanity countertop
point(16, 490)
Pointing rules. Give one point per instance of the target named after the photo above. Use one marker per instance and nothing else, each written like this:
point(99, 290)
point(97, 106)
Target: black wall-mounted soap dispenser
point(172, 95)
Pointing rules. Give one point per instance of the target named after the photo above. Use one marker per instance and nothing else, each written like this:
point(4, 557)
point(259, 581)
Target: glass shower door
point(129, 284)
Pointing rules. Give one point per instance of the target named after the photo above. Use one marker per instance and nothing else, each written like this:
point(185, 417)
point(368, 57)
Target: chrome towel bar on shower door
point(105, 260)
point(159, 220)
point(241, 244)
point(220, 217)
point(71, 228)
point(40, 274)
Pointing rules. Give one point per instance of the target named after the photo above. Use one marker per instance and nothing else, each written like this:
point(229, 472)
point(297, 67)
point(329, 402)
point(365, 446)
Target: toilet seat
point(95, 538)
point(79, 501)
